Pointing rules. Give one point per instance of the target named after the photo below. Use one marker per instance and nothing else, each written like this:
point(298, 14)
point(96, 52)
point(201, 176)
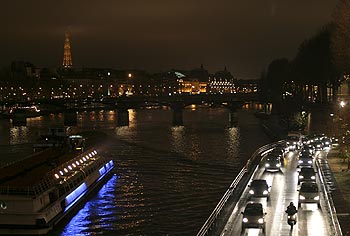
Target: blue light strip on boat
point(74, 196)
point(80, 191)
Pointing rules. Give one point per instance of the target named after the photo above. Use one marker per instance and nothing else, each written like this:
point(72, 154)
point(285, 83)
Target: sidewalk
point(341, 194)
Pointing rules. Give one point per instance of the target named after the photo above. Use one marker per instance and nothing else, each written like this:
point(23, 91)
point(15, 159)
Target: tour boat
point(37, 192)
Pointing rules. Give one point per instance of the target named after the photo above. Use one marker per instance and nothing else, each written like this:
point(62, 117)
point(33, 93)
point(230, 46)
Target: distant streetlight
point(342, 103)
point(129, 75)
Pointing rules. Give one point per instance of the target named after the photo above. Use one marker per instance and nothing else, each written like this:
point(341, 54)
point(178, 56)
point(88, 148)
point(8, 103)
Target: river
point(167, 179)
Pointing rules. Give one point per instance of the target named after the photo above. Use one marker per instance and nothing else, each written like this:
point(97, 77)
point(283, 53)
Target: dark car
point(259, 188)
point(318, 145)
point(283, 147)
point(327, 143)
point(309, 193)
point(306, 174)
point(272, 162)
point(308, 148)
point(253, 216)
point(305, 161)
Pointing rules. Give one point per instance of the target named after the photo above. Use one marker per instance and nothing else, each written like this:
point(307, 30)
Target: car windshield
point(293, 138)
point(309, 188)
point(305, 154)
point(258, 183)
point(303, 158)
point(307, 171)
point(253, 209)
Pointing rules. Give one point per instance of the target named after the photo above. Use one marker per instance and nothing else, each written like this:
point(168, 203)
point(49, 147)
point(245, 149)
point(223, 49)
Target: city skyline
point(243, 37)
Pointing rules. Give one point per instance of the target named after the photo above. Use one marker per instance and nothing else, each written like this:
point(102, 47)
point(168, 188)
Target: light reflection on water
point(178, 134)
point(168, 178)
point(19, 134)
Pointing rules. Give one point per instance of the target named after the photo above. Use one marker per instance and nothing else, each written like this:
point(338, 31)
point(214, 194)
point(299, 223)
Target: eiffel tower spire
point(67, 56)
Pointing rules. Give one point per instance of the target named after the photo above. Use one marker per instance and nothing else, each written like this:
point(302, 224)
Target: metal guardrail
point(335, 226)
point(217, 210)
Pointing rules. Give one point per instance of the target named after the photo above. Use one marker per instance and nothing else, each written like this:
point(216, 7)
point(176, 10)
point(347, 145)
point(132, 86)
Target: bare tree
point(340, 39)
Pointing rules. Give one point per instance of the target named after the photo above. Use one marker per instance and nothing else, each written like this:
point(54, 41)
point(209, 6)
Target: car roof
point(305, 157)
point(259, 181)
point(307, 169)
point(309, 186)
point(254, 207)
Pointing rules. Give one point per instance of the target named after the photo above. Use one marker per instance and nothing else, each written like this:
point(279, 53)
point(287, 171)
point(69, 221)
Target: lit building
point(222, 82)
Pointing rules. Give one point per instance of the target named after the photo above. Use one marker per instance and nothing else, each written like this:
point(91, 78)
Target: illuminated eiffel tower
point(67, 55)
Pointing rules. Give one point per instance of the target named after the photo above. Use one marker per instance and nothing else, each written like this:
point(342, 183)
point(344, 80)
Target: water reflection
point(96, 217)
point(124, 132)
point(178, 138)
point(132, 118)
point(19, 134)
point(111, 115)
point(233, 140)
point(195, 150)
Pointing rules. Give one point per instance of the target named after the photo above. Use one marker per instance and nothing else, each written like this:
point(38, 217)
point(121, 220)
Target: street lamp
point(342, 104)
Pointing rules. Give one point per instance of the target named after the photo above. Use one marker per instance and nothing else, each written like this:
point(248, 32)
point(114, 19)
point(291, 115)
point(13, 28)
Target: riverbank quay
point(341, 188)
point(338, 173)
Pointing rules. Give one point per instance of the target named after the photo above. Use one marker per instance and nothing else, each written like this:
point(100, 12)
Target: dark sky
point(157, 35)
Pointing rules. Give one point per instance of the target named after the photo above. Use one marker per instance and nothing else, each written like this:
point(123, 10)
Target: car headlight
point(313, 177)
point(260, 220)
point(278, 165)
point(245, 220)
point(251, 191)
point(301, 197)
point(317, 198)
point(267, 165)
point(265, 192)
point(300, 161)
point(310, 162)
point(301, 177)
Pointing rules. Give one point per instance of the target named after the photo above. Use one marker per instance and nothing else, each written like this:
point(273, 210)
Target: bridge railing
point(250, 165)
point(334, 223)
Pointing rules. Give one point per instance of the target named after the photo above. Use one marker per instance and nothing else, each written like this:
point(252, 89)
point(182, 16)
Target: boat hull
point(43, 221)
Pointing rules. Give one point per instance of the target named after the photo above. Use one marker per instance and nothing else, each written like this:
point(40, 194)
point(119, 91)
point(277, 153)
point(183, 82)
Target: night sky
point(157, 35)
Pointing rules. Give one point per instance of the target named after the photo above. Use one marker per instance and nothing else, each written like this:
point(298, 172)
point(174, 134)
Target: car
point(327, 143)
point(305, 161)
point(335, 141)
point(272, 162)
point(253, 216)
point(259, 188)
point(309, 193)
point(318, 145)
point(306, 174)
point(282, 148)
point(307, 150)
point(293, 142)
